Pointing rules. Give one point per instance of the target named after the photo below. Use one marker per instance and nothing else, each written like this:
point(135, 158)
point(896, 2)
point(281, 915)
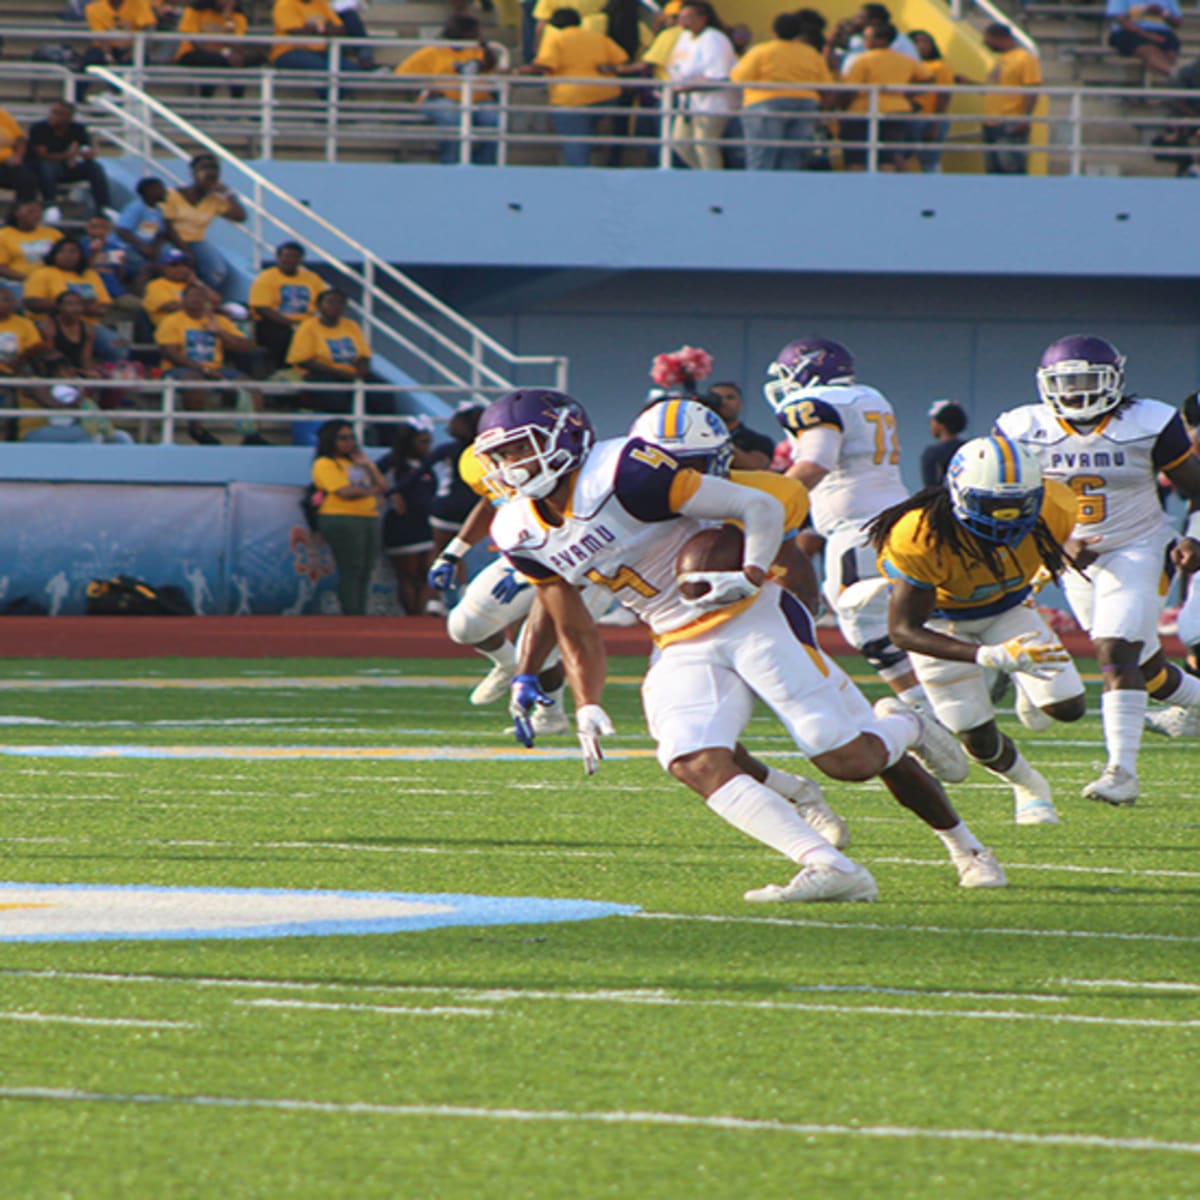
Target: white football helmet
point(1081, 377)
point(689, 432)
point(995, 489)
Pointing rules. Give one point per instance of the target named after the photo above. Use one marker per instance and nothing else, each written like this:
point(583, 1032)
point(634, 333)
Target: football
point(716, 549)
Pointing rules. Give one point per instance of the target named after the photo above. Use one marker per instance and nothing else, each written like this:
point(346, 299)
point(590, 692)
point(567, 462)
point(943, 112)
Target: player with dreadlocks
point(962, 559)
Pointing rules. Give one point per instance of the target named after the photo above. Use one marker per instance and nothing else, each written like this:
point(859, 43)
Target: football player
point(846, 451)
point(1109, 448)
point(617, 514)
point(961, 558)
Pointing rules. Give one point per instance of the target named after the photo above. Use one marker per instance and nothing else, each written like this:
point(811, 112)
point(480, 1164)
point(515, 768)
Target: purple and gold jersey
point(966, 588)
point(1112, 466)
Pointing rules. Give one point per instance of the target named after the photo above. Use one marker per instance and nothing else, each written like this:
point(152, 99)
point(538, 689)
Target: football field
point(316, 928)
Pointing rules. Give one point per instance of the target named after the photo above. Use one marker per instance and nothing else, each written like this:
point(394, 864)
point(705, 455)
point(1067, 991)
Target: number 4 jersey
point(1112, 466)
point(864, 476)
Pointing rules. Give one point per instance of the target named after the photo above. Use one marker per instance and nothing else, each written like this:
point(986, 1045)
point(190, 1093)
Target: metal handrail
point(374, 267)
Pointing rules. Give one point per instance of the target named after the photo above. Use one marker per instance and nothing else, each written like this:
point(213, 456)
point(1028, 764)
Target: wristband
point(456, 548)
point(1192, 529)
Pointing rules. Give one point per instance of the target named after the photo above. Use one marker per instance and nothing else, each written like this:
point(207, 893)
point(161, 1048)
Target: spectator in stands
point(785, 114)
point(304, 18)
point(751, 451)
point(354, 27)
point(65, 409)
point(442, 104)
point(15, 172)
point(878, 64)
point(702, 55)
point(1146, 32)
point(66, 269)
point(213, 19)
point(61, 149)
point(932, 130)
point(1006, 114)
point(849, 38)
point(280, 298)
point(330, 348)
point(591, 14)
point(24, 242)
point(350, 485)
point(164, 294)
point(454, 498)
point(191, 210)
point(407, 536)
point(70, 338)
point(572, 52)
point(106, 252)
point(143, 228)
point(195, 343)
point(113, 16)
point(21, 345)
point(947, 421)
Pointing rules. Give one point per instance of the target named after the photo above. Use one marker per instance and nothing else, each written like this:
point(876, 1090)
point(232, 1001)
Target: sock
point(791, 787)
point(1121, 713)
point(1187, 691)
point(898, 732)
point(758, 812)
point(915, 697)
point(959, 840)
point(504, 656)
point(1020, 772)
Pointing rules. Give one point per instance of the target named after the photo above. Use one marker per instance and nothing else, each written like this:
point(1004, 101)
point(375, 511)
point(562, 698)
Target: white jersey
point(619, 531)
point(1112, 466)
point(865, 478)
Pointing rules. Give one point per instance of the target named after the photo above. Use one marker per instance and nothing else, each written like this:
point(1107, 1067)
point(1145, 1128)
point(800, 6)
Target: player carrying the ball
point(617, 514)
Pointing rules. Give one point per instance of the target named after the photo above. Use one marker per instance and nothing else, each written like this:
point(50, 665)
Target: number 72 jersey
point(865, 478)
point(1112, 466)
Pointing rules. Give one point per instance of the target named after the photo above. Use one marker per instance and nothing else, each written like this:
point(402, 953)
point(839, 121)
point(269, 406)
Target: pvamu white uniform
point(1112, 467)
point(622, 531)
point(862, 480)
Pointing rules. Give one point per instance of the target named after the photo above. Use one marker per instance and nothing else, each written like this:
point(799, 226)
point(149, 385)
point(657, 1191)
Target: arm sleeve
point(1173, 444)
point(760, 515)
point(821, 446)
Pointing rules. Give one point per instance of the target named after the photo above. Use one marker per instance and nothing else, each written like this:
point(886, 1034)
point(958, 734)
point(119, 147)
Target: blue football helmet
point(531, 438)
point(805, 363)
point(690, 432)
point(995, 489)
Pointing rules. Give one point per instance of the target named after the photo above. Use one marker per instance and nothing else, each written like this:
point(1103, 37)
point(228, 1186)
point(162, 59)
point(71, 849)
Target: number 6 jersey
point(1112, 466)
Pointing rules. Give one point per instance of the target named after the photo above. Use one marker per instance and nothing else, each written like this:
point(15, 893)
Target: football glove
point(1026, 653)
point(592, 723)
point(725, 587)
point(509, 585)
point(441, 574)
point(523, 696)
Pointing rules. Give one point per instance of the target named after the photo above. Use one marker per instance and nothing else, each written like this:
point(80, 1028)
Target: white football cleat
point(1029, 714)
point(550, 719)
point(936, 747)
point(810, 803)
point(979, 869)
point(1116, 785)
point(493, 685)
point(1173, 722)
point(819, 884)
point(1032, 804)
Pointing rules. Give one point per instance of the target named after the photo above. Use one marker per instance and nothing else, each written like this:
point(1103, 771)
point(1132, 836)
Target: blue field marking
point(84, 912)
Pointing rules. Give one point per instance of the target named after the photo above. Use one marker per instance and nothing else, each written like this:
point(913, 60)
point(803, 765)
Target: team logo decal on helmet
point(531, 438)
point(689, 431)
point(1081, 377)
point(995, 489)
point(805, 363)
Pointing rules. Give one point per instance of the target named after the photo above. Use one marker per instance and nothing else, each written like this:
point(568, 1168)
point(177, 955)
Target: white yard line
point(120, 1022)
point(1083, 1141)
point(1141, 985)
point(383, 1009)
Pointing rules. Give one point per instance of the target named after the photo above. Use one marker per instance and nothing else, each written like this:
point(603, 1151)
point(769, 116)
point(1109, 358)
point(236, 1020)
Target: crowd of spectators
point(143, 292)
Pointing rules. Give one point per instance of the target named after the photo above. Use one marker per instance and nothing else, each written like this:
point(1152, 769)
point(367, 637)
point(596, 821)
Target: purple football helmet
point(805, 363)
point(1081, 377)
point(531, 438)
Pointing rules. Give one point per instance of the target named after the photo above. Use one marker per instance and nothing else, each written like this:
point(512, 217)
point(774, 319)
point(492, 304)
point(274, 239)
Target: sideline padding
point(99, 912)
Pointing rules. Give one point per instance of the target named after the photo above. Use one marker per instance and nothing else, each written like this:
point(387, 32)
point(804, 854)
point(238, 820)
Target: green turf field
point(1038, 1041)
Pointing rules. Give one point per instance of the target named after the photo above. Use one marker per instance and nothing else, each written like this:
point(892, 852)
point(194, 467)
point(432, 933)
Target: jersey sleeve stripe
point(892, 571)
point(1176, 461)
